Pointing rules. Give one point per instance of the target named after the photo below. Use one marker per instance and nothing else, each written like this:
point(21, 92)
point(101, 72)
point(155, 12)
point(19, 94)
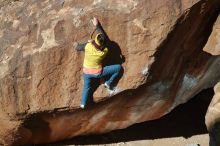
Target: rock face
point(213, 118)
point(213, 44)
point(162, 44)
point(213, 113)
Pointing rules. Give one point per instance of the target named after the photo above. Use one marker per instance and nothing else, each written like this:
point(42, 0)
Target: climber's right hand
point(95, 21)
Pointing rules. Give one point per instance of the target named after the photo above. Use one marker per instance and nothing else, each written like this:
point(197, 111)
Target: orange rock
point(159, 44)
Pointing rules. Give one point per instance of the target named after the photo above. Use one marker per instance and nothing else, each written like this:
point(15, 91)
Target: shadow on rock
point(186, 120)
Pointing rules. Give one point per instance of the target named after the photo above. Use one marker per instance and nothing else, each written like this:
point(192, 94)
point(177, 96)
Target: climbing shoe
point(82, 106)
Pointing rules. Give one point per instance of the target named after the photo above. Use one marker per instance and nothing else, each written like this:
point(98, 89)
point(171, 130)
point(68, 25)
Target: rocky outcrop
point(158, 42)
point(213, 113)
point(213, 118)
point(213, 44)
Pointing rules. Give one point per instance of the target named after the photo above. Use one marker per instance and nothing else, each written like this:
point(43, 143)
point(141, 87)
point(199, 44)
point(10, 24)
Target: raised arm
point(99, 28)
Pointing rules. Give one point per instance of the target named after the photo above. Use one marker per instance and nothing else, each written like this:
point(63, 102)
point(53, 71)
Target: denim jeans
point(111, 72)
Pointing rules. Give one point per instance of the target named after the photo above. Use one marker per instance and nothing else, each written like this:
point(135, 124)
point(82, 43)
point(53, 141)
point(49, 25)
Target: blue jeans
point(111, 72)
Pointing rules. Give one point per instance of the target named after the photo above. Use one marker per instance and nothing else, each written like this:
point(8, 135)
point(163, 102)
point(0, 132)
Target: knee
point(118, 67)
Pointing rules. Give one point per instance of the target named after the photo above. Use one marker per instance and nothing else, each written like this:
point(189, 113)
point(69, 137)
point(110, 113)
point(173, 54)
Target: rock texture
point(213, 113)
point(213, 118)
point(213, 44)
point(159, 43)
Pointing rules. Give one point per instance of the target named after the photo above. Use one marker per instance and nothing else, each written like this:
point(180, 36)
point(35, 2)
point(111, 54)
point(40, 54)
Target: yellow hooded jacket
point(93, 57)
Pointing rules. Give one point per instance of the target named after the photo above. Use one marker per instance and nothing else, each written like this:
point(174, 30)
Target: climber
point(95, 51)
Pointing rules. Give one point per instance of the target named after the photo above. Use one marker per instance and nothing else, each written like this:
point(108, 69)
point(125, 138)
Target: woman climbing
point(95, 51)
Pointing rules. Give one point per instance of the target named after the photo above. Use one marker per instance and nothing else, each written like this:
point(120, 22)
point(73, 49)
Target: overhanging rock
point(159, 44)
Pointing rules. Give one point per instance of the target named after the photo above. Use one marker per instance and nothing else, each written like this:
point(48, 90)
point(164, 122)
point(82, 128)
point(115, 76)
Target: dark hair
point(101, 39)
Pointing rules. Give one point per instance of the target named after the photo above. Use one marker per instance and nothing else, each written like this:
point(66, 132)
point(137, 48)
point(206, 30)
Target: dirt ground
point(184, 126)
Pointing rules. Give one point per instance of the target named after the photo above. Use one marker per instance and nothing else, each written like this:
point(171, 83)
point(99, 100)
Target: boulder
point(213, 44)
point(158, 42)
point(213, 113)
point(213, 118)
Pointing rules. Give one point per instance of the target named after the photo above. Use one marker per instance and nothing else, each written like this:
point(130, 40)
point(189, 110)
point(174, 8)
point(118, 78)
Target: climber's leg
point(87, 89)
point(112, 72)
